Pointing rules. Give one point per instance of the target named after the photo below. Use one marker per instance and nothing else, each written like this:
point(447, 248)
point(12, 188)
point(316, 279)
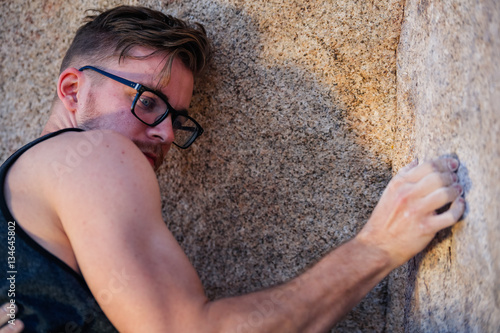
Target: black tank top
point(50, 295)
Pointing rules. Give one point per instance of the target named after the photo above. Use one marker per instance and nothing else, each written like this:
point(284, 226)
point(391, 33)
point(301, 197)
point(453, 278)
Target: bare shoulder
point(67, 159)
point(84, 151)
point(98, 157)
point(88, 167)
point(78, 176)
point(101, 185)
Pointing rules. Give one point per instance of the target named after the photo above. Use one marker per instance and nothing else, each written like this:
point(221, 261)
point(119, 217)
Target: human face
point(108, 103)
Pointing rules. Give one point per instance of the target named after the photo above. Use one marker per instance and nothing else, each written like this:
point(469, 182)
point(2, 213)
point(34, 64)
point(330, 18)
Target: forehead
point(147, 69)
point(144, 66)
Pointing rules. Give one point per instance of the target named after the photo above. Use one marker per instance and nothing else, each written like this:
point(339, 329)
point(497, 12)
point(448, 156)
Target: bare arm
point(113, 219)
point(312, 302)
point(402, 224)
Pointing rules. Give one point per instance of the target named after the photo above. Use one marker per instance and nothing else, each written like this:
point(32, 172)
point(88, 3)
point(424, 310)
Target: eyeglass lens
point(185, 130)
point(149, 107)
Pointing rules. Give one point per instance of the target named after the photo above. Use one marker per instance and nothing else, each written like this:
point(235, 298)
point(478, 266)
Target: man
point(88, 222)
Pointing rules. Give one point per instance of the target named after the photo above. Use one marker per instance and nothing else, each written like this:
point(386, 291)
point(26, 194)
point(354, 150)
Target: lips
point(151, 158)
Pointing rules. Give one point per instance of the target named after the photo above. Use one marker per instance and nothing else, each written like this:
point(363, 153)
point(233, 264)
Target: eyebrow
point(159, 93)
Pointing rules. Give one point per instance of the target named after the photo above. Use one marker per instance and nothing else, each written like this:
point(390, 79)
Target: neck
point(59, 119)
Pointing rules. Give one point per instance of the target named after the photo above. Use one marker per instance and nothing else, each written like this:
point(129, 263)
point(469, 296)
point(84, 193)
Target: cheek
point(112, 113)
point(127, 124)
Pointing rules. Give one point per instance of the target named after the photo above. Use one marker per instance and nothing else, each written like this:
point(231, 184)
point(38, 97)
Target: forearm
point(312, 302)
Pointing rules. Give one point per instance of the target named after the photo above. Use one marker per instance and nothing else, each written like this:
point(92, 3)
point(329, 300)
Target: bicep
point(132, 263)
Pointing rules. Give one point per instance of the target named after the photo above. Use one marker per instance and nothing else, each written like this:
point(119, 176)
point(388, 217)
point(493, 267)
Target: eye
point(146, 102)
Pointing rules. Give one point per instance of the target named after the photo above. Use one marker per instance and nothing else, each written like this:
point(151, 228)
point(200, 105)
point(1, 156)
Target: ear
point(68, 88)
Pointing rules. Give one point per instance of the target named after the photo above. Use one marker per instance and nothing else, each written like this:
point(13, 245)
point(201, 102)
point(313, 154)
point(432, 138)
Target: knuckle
point(435, 165)
point(447, 195)
point(426, 227)
point(397, 181)
point(413, 210)
point(436, 179)
point(431, 166)
point(401, 200)
point(445, 178)
point(452, 177)
point(403, 197)
point(443, 196)
point(440, 165)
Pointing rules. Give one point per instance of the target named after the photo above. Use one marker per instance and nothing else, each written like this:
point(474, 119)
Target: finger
point(410, 166)
point(439, 165)
point(451, 216)
point(16, 327)
point(434, 181)
point(401, 177)
point(5, 311)
point(441, 197)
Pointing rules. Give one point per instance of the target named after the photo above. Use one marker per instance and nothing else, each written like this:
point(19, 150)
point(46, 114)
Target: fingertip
point(458, 188)
point(459, 208)
point(461, 201)
point(19, 325)
point(453, 164)
point(453, 215)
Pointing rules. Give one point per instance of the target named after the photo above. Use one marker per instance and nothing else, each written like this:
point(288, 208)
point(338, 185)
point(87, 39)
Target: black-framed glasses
point(151, 108)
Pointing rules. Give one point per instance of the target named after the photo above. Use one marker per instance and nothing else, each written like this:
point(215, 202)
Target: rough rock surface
point(448, 103)
point(299, 110)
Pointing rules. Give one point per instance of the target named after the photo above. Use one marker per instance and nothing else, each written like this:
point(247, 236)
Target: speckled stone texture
point(448, 103)
point(299, 109)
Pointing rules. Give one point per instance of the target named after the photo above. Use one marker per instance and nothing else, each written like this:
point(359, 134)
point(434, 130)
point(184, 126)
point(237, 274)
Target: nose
point(162, 132)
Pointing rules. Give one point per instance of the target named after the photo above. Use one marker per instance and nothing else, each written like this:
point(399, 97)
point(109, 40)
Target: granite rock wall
point(448, 82)
point(299, 109)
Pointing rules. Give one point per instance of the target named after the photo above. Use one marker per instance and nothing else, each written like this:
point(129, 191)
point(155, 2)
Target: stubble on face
point(153, 149)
